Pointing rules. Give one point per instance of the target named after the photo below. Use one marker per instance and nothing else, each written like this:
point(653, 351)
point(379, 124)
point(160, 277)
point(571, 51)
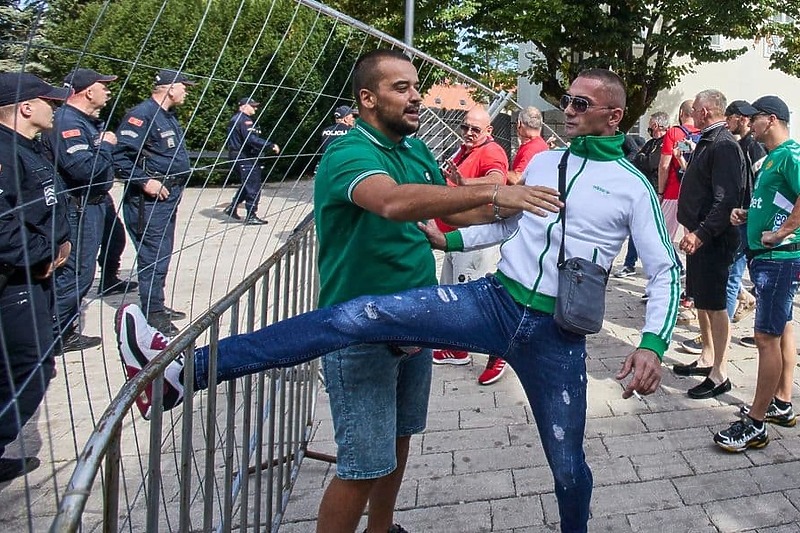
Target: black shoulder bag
point(581, 299)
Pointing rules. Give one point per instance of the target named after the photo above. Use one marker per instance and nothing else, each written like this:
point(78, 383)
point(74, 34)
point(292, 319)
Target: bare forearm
point(419, 202)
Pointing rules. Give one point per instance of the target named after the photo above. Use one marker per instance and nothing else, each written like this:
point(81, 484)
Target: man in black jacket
point(711, 188)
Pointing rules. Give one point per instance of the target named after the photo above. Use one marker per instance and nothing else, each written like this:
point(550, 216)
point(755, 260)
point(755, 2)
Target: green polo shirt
point(775, 191)
point(362, 253)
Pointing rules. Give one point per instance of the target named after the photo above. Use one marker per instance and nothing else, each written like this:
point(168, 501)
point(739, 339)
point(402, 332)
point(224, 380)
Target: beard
point(395, 123)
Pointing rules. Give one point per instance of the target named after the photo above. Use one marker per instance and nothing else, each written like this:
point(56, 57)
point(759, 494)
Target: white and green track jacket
point(607, 199)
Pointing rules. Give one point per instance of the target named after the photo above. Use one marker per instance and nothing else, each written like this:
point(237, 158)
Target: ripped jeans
point(478, 316)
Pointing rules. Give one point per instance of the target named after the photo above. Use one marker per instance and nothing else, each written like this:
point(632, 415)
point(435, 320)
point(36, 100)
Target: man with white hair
point(529, 131)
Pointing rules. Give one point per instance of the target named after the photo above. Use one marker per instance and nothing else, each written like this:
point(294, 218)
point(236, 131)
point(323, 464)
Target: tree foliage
point(289, 59)
point(651, 45)
point(21, 35)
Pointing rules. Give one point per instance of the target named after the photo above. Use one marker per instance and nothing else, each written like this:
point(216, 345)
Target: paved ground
point(479, 466)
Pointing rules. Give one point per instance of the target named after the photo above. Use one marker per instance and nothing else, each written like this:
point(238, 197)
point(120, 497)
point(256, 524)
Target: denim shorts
point(375, 396)
point(776, 284)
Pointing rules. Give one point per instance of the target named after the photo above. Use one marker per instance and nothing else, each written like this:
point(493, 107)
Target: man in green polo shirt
point(773, 239)
point(371, 187)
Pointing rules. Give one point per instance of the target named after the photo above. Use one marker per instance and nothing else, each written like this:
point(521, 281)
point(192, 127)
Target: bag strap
point(562, 188)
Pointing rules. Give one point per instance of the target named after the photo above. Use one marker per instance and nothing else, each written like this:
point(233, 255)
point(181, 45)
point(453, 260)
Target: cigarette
point(638, 396)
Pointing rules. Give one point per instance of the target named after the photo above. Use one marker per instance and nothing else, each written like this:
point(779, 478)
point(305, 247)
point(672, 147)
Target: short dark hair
point(614, 86)
point(367, 75)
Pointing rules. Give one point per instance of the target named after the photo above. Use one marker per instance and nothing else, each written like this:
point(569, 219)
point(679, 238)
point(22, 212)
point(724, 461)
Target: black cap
point(248, 101)
point(772, 105)
point(168, 77)
point(20, 86)
point(81, 78)
point(740, 107)
point(342, 111)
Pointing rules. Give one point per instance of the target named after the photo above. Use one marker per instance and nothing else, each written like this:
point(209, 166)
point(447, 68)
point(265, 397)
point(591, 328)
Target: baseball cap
point(248, 101)
point(20, 86)
point(81, 78)
point(168, 77)
point(740, 107)
point(772, 105)
point(342, 111)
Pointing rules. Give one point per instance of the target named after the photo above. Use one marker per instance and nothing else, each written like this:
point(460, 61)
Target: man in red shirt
point(479, 161)
point(668, 183)
point(529, 131)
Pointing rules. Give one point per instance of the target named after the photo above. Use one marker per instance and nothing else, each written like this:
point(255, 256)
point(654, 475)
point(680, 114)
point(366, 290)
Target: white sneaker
point(140, 343)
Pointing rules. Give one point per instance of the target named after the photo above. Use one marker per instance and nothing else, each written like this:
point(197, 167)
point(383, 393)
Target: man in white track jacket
point(509, 314)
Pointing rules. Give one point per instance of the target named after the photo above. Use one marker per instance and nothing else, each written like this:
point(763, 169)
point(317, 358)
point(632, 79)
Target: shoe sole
point(494, 379)
point(693, 351)
point(456, 362)
point(754, 445)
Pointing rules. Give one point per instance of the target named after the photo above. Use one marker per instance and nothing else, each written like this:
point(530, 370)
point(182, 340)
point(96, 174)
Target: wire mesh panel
point(223, 459)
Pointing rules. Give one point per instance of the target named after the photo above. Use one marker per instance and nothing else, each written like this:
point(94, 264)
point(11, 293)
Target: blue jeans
point(152, 231)
point(478, 316)
point(776, 282)
point(74, 279)
point(631, 255)
point(736, 272)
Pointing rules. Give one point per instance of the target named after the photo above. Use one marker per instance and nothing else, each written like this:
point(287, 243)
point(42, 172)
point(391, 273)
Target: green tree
point(283, 55)
point(787, 34)
point(651, 45)
point(21, 28)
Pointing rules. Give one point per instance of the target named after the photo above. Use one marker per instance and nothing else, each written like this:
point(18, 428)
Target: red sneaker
point(451, 357)
point(495, 368)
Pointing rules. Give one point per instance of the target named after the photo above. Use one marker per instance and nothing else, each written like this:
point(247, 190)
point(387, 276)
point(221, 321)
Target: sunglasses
point(474, 129)
point(578, 103)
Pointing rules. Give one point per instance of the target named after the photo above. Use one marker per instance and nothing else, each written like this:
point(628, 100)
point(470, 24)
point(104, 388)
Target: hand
point(536, 199)
point(108, 137)
point(434, 234)
point(63, 254)
point(770, 239)
point(155, 189)
point(452, 174)
point(46, 270)
point(276, 149)
point(552, 142)
point(646, 369)
point(738, 216)
point(690, 243)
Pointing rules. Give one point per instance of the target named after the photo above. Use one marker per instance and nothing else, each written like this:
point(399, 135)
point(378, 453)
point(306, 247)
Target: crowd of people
point(722, 187)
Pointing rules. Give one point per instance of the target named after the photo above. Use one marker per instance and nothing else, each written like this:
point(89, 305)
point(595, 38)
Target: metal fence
point(225, 458)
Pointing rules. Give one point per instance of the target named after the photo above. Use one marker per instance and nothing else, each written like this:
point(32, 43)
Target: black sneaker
point(174, 314)
point(253, 220)
point(741, 435)
point(748, 342)
point(14, 468)
point(395, 528)
point(231, 212)
point(74, 342)
point(161, 321)
point(114, 285)
point(775, 415)
point(694, 346)
point(624, 272)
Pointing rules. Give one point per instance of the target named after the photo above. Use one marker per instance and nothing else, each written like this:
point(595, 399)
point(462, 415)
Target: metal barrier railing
point(257, 428)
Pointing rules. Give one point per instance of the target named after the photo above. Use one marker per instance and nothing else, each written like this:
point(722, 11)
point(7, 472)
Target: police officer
point(82, 153)
point(245, 145)
point(151, 156)
point(345, 119)
point(34, 241)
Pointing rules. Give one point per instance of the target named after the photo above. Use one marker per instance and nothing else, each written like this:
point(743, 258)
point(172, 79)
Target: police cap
point(18, 87)
point(169, 77)
point(248, 101)
point(81, 79)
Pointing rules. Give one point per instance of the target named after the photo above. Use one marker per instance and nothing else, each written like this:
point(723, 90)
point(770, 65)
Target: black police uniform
point(245, 145)
point(85, 165)
point(332, 132)
point(150, 145)
point(33, 224)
